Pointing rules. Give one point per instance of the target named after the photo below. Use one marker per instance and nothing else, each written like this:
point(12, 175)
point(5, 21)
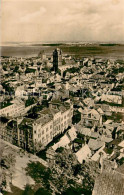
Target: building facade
point(35, 134)
point(12, 109)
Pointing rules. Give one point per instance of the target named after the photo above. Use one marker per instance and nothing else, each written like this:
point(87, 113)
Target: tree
point(28, 190)
point(40, 174)
point(1, 151)
point(43, 191)
point(29, 101)
point(63, 62)
point(76, 191)
point(7, 87)
point(77, 169)
point(10, 161)
point(16, 69)
point(5, 68)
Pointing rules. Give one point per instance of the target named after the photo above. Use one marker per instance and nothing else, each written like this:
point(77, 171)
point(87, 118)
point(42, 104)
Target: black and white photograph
point(62, 97)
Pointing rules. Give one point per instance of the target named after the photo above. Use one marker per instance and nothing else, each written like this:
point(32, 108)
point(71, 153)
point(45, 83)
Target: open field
point(80, 50)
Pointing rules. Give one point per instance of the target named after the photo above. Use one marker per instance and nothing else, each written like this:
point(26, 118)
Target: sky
point(62, 20)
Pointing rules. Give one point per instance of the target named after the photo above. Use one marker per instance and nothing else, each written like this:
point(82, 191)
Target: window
point(46, 129)
point(42, 132)
point(55, 129)
point(39, 135)
point(89, 115)
point(50, 126)
point(65, 117)
point(47, 136)
point(35, 132)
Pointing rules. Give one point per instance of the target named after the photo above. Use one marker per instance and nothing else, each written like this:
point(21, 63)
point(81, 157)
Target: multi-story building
point(91, 117)
point(53, 121)
point(35, 134)
point(12, 108)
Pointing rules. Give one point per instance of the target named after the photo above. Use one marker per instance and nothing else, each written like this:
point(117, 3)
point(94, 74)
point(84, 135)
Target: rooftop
point(44, 119)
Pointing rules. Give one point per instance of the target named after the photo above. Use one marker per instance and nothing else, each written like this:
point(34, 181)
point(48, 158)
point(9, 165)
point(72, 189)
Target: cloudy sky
point(62, 20)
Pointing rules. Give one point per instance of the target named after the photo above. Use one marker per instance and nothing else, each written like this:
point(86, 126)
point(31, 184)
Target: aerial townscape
point(61, 124)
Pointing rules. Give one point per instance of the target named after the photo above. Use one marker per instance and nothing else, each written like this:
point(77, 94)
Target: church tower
point(57, 59)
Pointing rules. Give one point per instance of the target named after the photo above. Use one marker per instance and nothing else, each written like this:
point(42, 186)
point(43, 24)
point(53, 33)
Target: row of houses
point(36, 132)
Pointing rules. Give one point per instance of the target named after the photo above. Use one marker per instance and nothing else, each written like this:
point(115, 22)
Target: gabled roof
point(100, 111)
point(64, 141)
point(95, 134)
point(83, 153)
point(95, 144)
point(106, 139)
point(108, 121)
point(121, 144)
point(93, 111)
point(96, 156)
point(86, 131)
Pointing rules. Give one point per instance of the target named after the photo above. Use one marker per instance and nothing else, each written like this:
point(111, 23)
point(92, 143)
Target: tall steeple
point(57, 59)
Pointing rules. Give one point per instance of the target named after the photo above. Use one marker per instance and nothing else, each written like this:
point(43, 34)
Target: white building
point(53, 121)
point(13, 109)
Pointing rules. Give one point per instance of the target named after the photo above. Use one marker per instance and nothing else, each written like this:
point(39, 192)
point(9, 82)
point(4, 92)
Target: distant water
point(23, 51)
point(85, 50)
